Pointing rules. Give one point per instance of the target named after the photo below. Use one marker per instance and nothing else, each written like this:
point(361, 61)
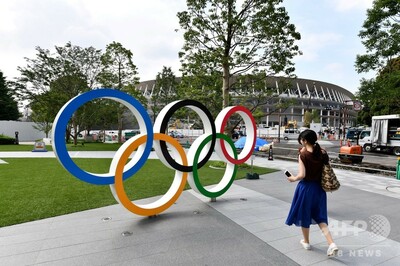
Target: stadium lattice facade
point(334, 103)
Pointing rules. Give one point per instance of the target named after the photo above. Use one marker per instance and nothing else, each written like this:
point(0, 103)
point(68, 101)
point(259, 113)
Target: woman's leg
point(325, 230)
point(306, 234)
point(332, 248)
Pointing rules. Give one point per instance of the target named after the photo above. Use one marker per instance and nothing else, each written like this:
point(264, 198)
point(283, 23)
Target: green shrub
point(6, 140)
point(221, 164)
point(218, 164)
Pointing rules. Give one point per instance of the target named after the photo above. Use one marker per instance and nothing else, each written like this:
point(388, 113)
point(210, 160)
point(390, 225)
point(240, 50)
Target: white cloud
point(335, 69)
point(147, 28)
point(348, 5)
point(144, 27)
point(312, 44)
point(7, 16)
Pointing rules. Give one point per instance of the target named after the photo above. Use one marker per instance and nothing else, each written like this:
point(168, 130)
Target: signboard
point(39, 147)
point(357, 106)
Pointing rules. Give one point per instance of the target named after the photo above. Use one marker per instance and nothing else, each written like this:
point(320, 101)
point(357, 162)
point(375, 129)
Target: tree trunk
point(75, 127)
point(120, 125)
point(225, 87)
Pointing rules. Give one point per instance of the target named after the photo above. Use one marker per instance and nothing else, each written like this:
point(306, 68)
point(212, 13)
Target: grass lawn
point(38, 188)
point(95, 146)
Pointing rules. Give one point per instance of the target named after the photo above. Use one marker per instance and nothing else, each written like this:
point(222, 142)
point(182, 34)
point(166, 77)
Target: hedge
point(5, 140)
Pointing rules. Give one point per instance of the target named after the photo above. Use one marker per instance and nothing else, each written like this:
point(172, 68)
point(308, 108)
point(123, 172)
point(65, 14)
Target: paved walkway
point(243, 227)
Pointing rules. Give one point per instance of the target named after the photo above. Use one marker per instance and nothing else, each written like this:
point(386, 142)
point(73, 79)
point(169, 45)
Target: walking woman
point(309, 204)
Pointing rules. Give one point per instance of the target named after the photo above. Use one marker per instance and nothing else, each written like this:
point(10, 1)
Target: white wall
point(26, 130)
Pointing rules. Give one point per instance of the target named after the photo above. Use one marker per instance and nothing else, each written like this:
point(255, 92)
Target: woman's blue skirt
point(308, 206)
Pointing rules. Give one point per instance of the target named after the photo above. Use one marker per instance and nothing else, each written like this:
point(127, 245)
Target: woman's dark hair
point(311, 137)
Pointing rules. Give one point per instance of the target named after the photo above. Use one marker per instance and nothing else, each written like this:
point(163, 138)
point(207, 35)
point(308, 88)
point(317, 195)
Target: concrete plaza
point(243, 227)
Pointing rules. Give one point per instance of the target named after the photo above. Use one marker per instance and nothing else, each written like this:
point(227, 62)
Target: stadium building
point(334, 103)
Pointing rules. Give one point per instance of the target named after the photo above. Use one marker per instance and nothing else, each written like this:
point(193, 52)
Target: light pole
point(279, 125)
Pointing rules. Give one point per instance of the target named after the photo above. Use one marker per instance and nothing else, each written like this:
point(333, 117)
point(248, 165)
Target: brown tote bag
point(329, 181)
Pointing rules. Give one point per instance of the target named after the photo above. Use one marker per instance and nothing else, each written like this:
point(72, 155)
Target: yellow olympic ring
point(174, 191)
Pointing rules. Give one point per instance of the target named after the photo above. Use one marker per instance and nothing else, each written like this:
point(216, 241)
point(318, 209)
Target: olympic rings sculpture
point(186, 165)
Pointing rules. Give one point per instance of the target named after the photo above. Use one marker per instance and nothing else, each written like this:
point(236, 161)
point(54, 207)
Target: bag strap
point(325, 156)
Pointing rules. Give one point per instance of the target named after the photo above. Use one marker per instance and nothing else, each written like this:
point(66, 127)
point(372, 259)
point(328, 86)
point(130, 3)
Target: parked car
point(176, 134)
point(291, 133)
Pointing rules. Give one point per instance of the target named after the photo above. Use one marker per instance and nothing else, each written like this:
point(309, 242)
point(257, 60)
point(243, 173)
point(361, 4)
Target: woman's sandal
point(332, 250)
point(305, 245)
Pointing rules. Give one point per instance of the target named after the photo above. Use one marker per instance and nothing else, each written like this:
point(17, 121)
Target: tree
point(41, 114)
point(120, 73)
point(61, 91)
point(138, 95)
point(165, 90)
point(223, 37)
point(381, 96)
point(67, 61)
point(8, 106)
point(380, 35)
point(51, 79)
point(204, 87)
point(46, 105)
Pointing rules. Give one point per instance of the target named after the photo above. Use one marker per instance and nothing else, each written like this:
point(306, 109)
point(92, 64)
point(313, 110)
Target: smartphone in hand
point(287, 173)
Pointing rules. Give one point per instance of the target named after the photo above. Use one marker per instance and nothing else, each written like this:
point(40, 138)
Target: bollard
point(16, 138)
point(270, 154)
point(398, 168)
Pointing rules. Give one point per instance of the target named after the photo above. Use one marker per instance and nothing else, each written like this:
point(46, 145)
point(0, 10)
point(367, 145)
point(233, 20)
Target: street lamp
point(279, 125)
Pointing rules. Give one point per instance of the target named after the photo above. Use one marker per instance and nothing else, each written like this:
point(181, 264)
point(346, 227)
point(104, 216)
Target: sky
point(329, 31)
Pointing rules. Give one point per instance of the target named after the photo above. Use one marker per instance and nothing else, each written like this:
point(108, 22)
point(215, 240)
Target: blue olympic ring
point(65, 114)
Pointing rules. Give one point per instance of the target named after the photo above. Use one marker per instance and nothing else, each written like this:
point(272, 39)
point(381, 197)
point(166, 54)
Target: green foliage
point(226, 38)
point(203, 87)
point(119, 72)
point(316, 116)
point(52, 78)
point(221, 164)
point(381, 96)
point(218, 164)
point(311, 117)
point(308, 117)
point(118, 69)
point(64, 67)
point(8, 105)
point(381, 37)
point(165, 90)
point(99, 112)
point(6, 140)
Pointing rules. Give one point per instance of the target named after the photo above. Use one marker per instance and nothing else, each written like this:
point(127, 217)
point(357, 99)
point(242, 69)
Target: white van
point(291, 133)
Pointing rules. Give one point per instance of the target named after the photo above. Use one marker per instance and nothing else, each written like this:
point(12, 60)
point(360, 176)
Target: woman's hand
point(292, 179)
